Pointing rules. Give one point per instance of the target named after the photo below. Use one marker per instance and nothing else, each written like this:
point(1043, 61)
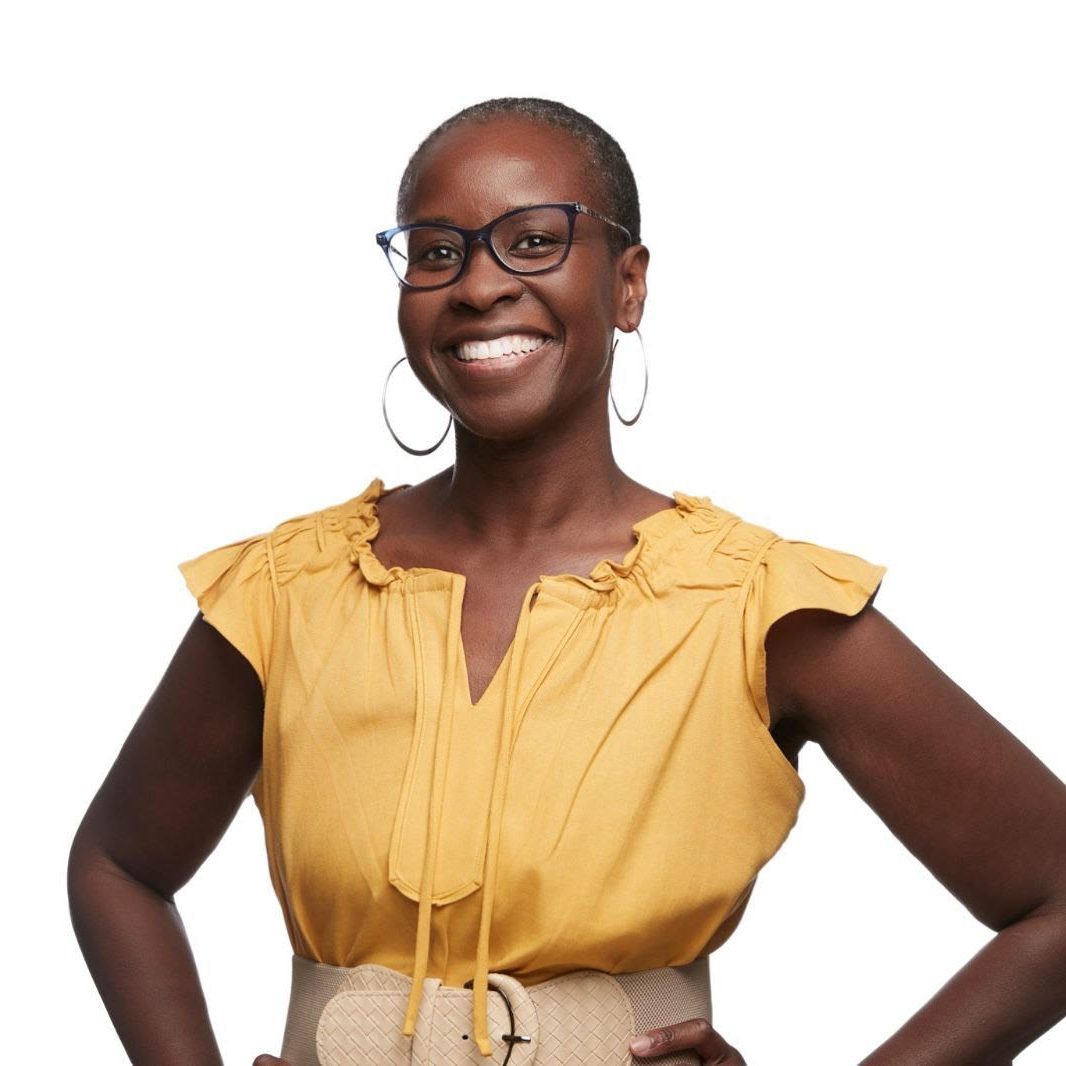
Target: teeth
point(515, 344)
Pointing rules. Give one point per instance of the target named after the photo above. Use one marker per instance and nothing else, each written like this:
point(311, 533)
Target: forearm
point(1012, 991)
point(136, 949)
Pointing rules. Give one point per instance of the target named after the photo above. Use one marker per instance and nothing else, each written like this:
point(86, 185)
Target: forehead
point(477, 171)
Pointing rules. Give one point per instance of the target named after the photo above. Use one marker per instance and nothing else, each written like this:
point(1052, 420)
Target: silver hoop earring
point(610, 387)
point(406, 448)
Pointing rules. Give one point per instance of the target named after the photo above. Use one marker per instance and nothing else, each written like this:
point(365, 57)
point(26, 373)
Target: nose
point(484, 281)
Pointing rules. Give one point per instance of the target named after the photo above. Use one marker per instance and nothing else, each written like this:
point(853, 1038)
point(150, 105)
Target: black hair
point(607, 164)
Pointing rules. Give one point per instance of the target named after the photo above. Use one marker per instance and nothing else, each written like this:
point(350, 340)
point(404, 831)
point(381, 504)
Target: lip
point(501, 364)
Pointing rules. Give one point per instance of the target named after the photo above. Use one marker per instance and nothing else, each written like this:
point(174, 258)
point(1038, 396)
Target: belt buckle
point(511, 1038)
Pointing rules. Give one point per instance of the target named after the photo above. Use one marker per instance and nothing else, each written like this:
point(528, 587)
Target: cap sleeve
point(788, 575)
point(235, 586)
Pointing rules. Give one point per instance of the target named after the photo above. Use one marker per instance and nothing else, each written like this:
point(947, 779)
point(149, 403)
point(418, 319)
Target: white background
point(856, 220)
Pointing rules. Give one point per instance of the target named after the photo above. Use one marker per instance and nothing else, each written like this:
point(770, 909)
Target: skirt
point(353, 1016)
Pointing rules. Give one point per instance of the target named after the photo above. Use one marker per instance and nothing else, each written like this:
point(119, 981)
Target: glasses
point(527, 240)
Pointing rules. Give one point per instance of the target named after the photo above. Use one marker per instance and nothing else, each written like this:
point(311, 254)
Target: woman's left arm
point(966, 797)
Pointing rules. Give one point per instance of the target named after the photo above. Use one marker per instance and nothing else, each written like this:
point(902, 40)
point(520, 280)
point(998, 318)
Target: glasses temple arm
point(585, 209)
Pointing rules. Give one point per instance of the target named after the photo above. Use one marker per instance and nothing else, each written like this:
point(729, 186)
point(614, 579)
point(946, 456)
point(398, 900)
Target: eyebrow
point(449, 221)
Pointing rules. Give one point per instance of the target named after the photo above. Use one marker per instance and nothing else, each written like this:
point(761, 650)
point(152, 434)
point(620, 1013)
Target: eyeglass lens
point(527, 240)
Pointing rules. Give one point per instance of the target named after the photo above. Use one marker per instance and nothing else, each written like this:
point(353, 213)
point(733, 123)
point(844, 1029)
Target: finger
point(269, 1060)
point(695, 1034)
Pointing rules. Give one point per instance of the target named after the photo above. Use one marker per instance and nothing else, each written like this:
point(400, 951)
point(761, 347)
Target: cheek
point(589, 327)
point(415, 318)
point(407, 319)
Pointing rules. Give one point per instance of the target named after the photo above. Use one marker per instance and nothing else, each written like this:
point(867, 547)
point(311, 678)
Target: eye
point(429, 255)
point(538, 242)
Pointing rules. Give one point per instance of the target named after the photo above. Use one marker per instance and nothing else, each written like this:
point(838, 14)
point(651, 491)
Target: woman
point(483, 715)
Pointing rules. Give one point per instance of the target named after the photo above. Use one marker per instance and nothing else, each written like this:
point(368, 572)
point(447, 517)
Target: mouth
point(501, 351)
point(503, 355)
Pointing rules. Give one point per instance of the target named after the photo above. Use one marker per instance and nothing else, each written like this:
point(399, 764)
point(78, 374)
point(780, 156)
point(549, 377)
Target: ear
point(631, 287)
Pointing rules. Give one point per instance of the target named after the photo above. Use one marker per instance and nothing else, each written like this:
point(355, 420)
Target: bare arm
point(176, 785)
point(966, 797)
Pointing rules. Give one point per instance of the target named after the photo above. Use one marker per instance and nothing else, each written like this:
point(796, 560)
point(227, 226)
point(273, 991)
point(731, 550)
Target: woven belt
point(354, 1016)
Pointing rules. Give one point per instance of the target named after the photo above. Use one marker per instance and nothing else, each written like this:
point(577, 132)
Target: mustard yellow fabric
point(607, 804)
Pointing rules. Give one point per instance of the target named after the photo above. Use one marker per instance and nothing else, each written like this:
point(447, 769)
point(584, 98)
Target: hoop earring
point(610, 388)
point(406, 448)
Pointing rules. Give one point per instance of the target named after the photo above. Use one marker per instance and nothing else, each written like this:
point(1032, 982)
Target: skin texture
point(535, 489)
point(176, 785)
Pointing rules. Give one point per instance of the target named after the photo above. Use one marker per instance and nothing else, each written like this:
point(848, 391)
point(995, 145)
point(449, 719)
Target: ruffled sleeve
point(788, 575)
point(236, 588)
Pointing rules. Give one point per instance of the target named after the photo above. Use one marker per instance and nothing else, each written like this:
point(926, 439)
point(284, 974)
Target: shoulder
point(238, 585)
point(792, 589)
point(763, 566)
point(276, 555)
point(807, 609)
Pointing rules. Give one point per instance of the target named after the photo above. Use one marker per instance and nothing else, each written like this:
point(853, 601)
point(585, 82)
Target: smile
point(515, 346)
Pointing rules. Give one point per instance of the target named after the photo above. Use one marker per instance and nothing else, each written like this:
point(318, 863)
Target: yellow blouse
point(608, 802)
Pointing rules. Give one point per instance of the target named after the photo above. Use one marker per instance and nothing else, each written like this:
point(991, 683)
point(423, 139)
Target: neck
point(522, 489)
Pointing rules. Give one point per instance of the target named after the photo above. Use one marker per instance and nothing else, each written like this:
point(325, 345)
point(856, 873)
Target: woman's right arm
point(177, 783)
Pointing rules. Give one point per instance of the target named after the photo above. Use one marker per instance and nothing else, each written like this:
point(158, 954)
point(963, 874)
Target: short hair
point(607, 165)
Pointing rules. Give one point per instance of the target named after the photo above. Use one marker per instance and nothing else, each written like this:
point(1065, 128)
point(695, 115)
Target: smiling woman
point(524, 734)
point(542, 228)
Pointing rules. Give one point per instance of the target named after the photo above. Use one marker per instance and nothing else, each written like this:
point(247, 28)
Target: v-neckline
point(641, 530)
point(463, 665)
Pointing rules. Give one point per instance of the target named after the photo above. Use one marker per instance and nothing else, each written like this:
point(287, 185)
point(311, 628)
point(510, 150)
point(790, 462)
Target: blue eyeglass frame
point(572, 209)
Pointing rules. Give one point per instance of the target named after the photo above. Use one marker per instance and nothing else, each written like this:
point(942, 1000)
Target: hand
point(697, 1035)
point(269, 1060)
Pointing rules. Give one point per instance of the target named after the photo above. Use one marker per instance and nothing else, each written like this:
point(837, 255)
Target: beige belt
point(354, 1017)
